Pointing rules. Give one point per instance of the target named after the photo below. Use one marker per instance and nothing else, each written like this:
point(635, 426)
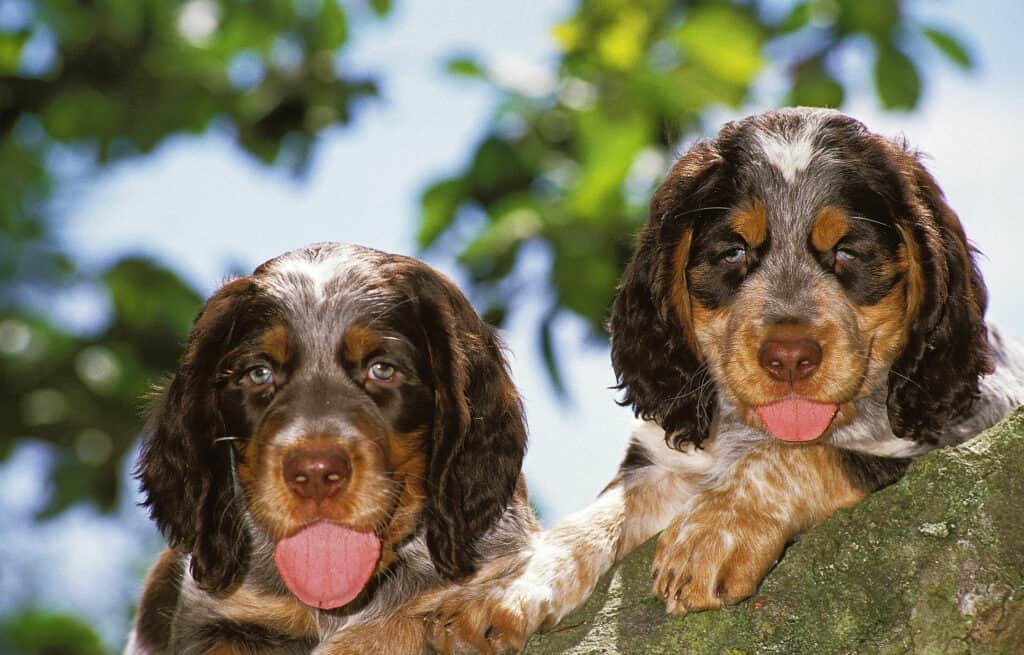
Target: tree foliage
point(570, 159)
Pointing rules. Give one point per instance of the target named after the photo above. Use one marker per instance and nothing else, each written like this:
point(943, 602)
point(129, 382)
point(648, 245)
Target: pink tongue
point(326, 565)
point(797, 420)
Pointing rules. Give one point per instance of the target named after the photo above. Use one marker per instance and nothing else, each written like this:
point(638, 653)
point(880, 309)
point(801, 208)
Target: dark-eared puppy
point(802, 316)
point(341, 436)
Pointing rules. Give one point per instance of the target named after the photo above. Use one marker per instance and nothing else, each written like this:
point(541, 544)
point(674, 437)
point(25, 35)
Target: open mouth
point(797, 419)
point(327, 565)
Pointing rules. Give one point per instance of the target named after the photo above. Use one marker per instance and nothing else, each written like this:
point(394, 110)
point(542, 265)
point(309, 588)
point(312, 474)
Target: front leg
point(721, 547)
point(510, 599)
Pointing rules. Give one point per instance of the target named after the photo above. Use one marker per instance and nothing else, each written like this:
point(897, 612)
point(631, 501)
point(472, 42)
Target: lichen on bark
point(931, 564)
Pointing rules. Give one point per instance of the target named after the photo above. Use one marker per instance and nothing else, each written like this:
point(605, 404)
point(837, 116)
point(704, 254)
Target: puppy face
point(330, 401)
point(362, 403)
point(797, 263)
point(798, 298)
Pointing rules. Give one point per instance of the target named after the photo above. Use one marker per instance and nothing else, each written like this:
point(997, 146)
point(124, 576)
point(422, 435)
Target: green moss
point(932, 564)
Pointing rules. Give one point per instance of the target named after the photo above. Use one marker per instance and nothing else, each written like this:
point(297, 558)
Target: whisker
point(871, 220)
point(694, 211)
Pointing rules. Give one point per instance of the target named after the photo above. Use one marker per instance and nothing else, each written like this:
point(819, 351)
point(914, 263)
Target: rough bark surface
point(932, 564)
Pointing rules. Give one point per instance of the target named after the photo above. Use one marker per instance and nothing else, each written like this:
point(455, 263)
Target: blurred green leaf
point(499, 166)
point(547, 350)
point(332, 27)
point(464, 67)
point(950, 46)
point(724, 40)
point(875, 18)
point(896, 78)
point(797, 18)
point(438, 205)
point(814, 87)
point(11, 44)
point(35, 632)
point(148, 298)
point(621, 42)
point(381, 7)
point(608, 147)
point(516, 220)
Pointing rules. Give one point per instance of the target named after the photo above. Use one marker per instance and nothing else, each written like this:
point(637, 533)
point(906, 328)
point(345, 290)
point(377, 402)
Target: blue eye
point(735, 256)
point(382, 372)
point(260, 375)
point(843, 255)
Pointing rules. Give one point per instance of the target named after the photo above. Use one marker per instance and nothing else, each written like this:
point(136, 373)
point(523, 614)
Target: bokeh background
point(150, 149)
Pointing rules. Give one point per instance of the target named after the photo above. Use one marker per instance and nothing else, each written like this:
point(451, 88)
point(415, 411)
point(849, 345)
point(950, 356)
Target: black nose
point(790, 359)
point(317, 474)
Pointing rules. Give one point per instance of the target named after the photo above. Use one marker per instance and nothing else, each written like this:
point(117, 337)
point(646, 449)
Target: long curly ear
point(936, 376)
point(654, 348)
point(479, 433)
point(185, 475)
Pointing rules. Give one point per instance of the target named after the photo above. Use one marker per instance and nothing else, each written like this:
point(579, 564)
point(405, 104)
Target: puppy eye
point(260, 375)
point(382, 372)
point(734, 256)
point(845, 255)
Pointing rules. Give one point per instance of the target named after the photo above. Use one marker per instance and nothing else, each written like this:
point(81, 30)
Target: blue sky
point(205, 209)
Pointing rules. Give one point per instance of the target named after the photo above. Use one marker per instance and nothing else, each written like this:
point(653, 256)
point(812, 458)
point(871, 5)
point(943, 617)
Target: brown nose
point(317, 475)
point(790, 359)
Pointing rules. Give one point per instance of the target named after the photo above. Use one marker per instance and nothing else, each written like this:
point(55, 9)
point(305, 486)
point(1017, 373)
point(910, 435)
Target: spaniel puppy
point(341, 436)
point(802, 316)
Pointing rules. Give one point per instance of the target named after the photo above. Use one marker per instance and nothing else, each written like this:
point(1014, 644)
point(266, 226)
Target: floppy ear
point(654, 348)
point(185, 475)
point(936, 376)
point(479, 432)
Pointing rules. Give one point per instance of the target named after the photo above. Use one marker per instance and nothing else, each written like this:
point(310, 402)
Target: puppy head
point(365, 402)
point(790, 267)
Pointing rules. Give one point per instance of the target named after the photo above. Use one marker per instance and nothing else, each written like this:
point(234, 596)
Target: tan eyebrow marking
point(275, 343)
point(359, 342)
point(831, 225)
point(751, 223)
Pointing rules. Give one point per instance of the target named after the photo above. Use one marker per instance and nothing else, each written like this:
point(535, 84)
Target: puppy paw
point(489, 618)
point(714, 556)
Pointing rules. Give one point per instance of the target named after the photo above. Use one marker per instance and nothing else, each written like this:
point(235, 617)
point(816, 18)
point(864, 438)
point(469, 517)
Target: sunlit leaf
point(609, 146)
point(10, 50)
point(896, 79)
point(724, 40)
point(381, 7)
point(568, 35)
point(950, 46)
point(621, 44)
point(332, 26)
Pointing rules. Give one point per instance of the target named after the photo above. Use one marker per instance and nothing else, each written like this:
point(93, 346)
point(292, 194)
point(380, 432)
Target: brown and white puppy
point(802, 316)
point(341, 436)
